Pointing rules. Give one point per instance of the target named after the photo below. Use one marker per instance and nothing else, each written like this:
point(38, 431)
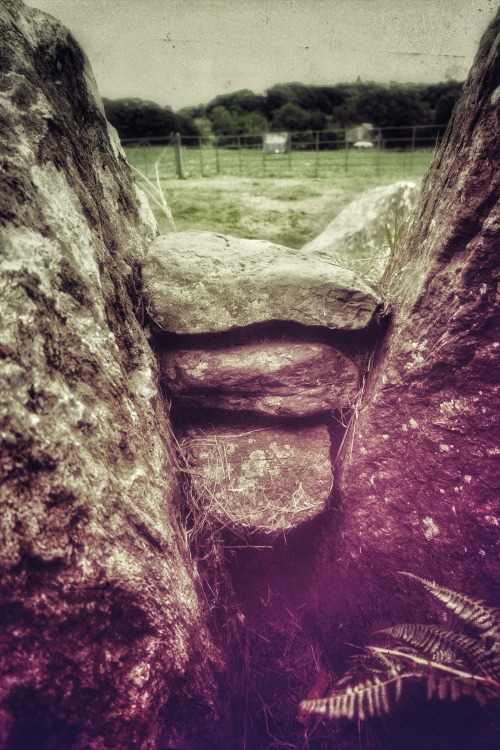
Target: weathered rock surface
point(100, 620)
point(262, 479)
point(357, 236)
point(202, 282)
point(291, 378)
point(419, 489)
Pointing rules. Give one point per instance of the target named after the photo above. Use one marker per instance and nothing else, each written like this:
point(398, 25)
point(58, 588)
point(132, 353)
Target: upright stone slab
point(358, 236)
point(99, 614)
point(418, 489)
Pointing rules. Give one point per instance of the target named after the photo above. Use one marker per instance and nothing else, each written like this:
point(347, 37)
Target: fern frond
point(369, 697)
point(428, 664)
point(472, 612)
point(452, 665)
point(430, 639)
point(446, 646)
point(454, 688)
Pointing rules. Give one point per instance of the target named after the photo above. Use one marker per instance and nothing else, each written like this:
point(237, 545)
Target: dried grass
point(215, 490)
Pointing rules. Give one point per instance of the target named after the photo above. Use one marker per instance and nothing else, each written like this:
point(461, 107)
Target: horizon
point(287, 83)
point(185, 53)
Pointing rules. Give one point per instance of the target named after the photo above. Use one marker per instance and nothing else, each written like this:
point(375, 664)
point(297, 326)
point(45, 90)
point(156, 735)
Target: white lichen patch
point(141, 382)
point(417, 356)
point(430, 528)
point(492, 520)
point(453, 406)
point(413, 424)
point(197, 372)
point(64, 212)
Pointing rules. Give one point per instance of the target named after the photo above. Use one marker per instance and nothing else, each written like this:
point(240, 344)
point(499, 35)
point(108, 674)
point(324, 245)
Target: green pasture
point(289, 205)
point(246, 162)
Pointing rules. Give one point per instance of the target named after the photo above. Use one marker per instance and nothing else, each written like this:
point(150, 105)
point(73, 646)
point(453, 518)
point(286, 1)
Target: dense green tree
point(388, 106)
point(239, 102)
point(135, 118)
point(294, 107)
point(292, 117)
point(223, 122)
point(253, 123)
point(278, 96)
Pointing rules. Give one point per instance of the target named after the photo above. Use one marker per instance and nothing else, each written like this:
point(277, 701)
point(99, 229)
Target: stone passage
point(261, 352)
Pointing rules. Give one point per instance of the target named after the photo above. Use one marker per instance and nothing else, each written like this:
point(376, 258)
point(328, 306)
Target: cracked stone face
point(202, 282)
point(292, 378)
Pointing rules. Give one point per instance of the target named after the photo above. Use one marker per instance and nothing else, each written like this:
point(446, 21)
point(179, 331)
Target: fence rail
point(310, 153)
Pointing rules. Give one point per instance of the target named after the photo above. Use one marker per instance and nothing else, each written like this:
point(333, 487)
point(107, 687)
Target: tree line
point(291, 107)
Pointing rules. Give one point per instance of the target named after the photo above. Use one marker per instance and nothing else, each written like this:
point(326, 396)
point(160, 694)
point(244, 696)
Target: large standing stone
point(357, 237)
point(202, 282)
point(291, 378)
point(262, 479)
point(418, 487)
point(99, 614)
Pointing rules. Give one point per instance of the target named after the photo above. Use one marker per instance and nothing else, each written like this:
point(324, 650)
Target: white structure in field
point(276, 143)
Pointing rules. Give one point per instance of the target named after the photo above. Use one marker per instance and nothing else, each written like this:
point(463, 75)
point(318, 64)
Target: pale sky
point(186, 52)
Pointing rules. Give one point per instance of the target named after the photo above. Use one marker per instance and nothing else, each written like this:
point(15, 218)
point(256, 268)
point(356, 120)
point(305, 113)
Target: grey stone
point(289, 378)
point(103, 618)
point(419, 483)
point(261, 479)
point(201, 282)
point(357, 237)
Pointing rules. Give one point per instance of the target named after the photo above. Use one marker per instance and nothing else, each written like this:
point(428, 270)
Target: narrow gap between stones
point(257, 568)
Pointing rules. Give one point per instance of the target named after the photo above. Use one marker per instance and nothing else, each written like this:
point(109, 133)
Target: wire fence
point(398, 151)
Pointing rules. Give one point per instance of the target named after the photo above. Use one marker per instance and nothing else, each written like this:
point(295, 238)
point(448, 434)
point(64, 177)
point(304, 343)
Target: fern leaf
point(471, 611)
point(449, 647)
point(370, 696)
point(429, 639)
point(453, 665)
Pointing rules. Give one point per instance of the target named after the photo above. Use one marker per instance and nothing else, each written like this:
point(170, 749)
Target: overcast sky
point(185, 52)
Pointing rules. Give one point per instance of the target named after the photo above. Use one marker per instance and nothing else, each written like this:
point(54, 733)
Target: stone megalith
point(100, 618)
point(417, 489)
point(357, 236)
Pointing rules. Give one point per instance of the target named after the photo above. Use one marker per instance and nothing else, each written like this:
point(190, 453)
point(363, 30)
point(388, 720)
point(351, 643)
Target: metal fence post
point(239, 156)
point(377, 155)
point(316, 160)
point(145, 148)
point(346, 152)
point(413, 137)
point(178, 156)
point(217, 165)
point(200, 146)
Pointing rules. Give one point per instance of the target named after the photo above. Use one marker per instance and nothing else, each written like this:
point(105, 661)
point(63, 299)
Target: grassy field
point(288, 206)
